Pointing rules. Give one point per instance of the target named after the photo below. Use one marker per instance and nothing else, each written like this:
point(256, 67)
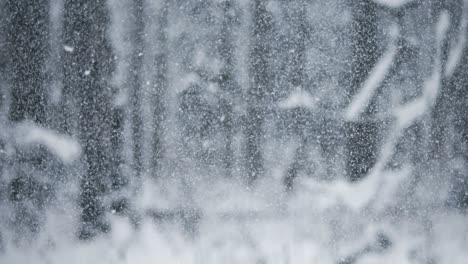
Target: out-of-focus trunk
point(362, 134)
point(260, 88)
point(88, 63)
point(228, 84)
point(443, 113)
point(135, 83)
point(449, 119)
point(27, 34)
point(27, 40)
point(296, 66)
point(160, 88)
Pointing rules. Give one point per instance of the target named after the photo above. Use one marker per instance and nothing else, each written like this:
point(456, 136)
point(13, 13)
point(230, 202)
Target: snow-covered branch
point(456, 51)
point(393, 3)
point(361, 99)
point(64, 147)
point(298, 99)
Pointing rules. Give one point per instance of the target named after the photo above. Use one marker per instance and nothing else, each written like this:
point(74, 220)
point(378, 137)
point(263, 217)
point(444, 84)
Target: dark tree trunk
point(260, 88)
point(228, 84)
point(27, 46)
point(3, 85)
point(161, 83)
point(450, 109)
point(443, 112)
point(88, 62)
point(27, 38)
point(297, 19)
point(362, 135)
point(118, 180)
point(135, 83)
point(3, 58)
point(461, 122)
point(296, 72)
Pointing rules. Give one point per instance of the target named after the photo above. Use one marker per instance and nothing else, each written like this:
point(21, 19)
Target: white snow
point(304, 235)
point(186, 81)
point(321, 222)
point(66, 148)
point(298, 98)
point(68, 48)
point(121, 99)
point(456, 51)
point(442, 26)
point(358, 196)
point(409, 113)
point(393, 3)
point(375, 185)
point(361, 99)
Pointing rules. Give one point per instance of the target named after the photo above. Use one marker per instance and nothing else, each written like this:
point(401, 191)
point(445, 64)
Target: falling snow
point(233, 131)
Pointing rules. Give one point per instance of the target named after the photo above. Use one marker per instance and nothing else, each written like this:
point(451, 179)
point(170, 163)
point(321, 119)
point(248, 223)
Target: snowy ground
point(263, 226)
point(384, 218)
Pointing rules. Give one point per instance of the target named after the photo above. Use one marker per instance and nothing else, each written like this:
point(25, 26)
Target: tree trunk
point(28, 48)
point(3, 86)
point(228, 84)
point(362, 135)
point(27, 45)
point(3, 58)
point(136, 84)
point(260, 88)
point(88, 62)
point(296, 74)
point(443, 112)
point(450, 109)
point(160, 88)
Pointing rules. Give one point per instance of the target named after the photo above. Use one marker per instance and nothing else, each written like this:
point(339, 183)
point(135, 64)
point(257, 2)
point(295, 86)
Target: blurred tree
point(449, 122)
point(3, 84)
point(461, 123)
point(227, 80)
point(135, 83)
point(362, 134)
point(297, 81)
point(88, 63)
point(442, 109)
point(3, 57)
point(160, 88)
point(260, 88)
point(27, 39)
point(27, 35)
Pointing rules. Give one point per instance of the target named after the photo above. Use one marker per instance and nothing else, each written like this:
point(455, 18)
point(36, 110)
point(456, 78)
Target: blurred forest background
point(343, 116)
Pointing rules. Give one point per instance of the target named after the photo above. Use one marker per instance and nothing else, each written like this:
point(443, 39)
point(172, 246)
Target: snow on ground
point(324, 221)
point(320, 223)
